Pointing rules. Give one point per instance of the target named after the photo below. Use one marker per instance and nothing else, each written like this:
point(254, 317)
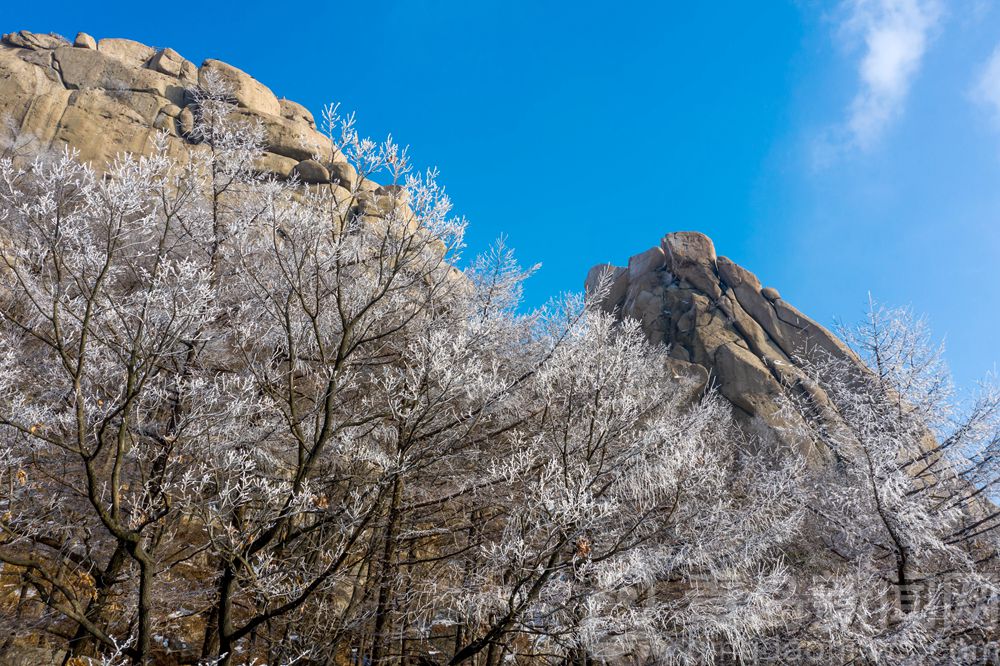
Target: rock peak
point(716, 316)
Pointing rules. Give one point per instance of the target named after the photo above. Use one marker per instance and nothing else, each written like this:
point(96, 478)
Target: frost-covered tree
point(187, 394)
point(906, 572)
point(250, 421)
point(629, 520)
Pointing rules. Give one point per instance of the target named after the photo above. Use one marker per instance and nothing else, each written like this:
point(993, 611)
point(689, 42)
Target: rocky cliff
point(114, 95)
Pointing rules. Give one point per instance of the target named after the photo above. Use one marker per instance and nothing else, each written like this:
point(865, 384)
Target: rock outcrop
point(718, 320)
point(114, 95)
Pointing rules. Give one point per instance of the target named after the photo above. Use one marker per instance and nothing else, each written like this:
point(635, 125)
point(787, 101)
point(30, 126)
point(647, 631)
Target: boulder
point(291, 139)
point(617, 287)
point(43, 114)
point(171, 63)
point(341, 198)
point(130, 52)
point(691, 256)
point(344, 174)
point(396, 193)
point(756, 339)
point(248, 92)
point(647, 308)
point(311, 171)
point(371, 203)
point(165, 123)
point(185, 121)
point(279, 165)
point(296, 113)
point(35, 41)
point(693, 377)
point(651, 260)
point(85, 41)
point(770, 293)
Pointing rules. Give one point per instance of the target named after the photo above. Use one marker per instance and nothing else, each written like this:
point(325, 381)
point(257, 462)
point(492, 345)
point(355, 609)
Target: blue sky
point(834, 148)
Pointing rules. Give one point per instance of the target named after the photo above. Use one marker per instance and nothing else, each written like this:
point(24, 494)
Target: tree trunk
point(387, 571)
point(210, 644)
point(225, 615)
point(144, 610)
point(906, 600)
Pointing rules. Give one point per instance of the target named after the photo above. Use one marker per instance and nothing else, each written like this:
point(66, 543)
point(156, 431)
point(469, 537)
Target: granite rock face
point(714, 314)
point(110, 96)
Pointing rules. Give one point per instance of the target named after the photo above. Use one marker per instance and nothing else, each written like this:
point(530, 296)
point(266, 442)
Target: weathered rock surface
point(130, 52)
point(249, 92)
point(296, 112)
point(279, 165)
point(85, 41)
point(311, 171)
point(30, 40)
point(171, 63)
point(715, 315)
point(111, 96)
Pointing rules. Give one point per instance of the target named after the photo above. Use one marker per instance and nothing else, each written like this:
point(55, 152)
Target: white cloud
point(895, 35)
point(987, 88)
